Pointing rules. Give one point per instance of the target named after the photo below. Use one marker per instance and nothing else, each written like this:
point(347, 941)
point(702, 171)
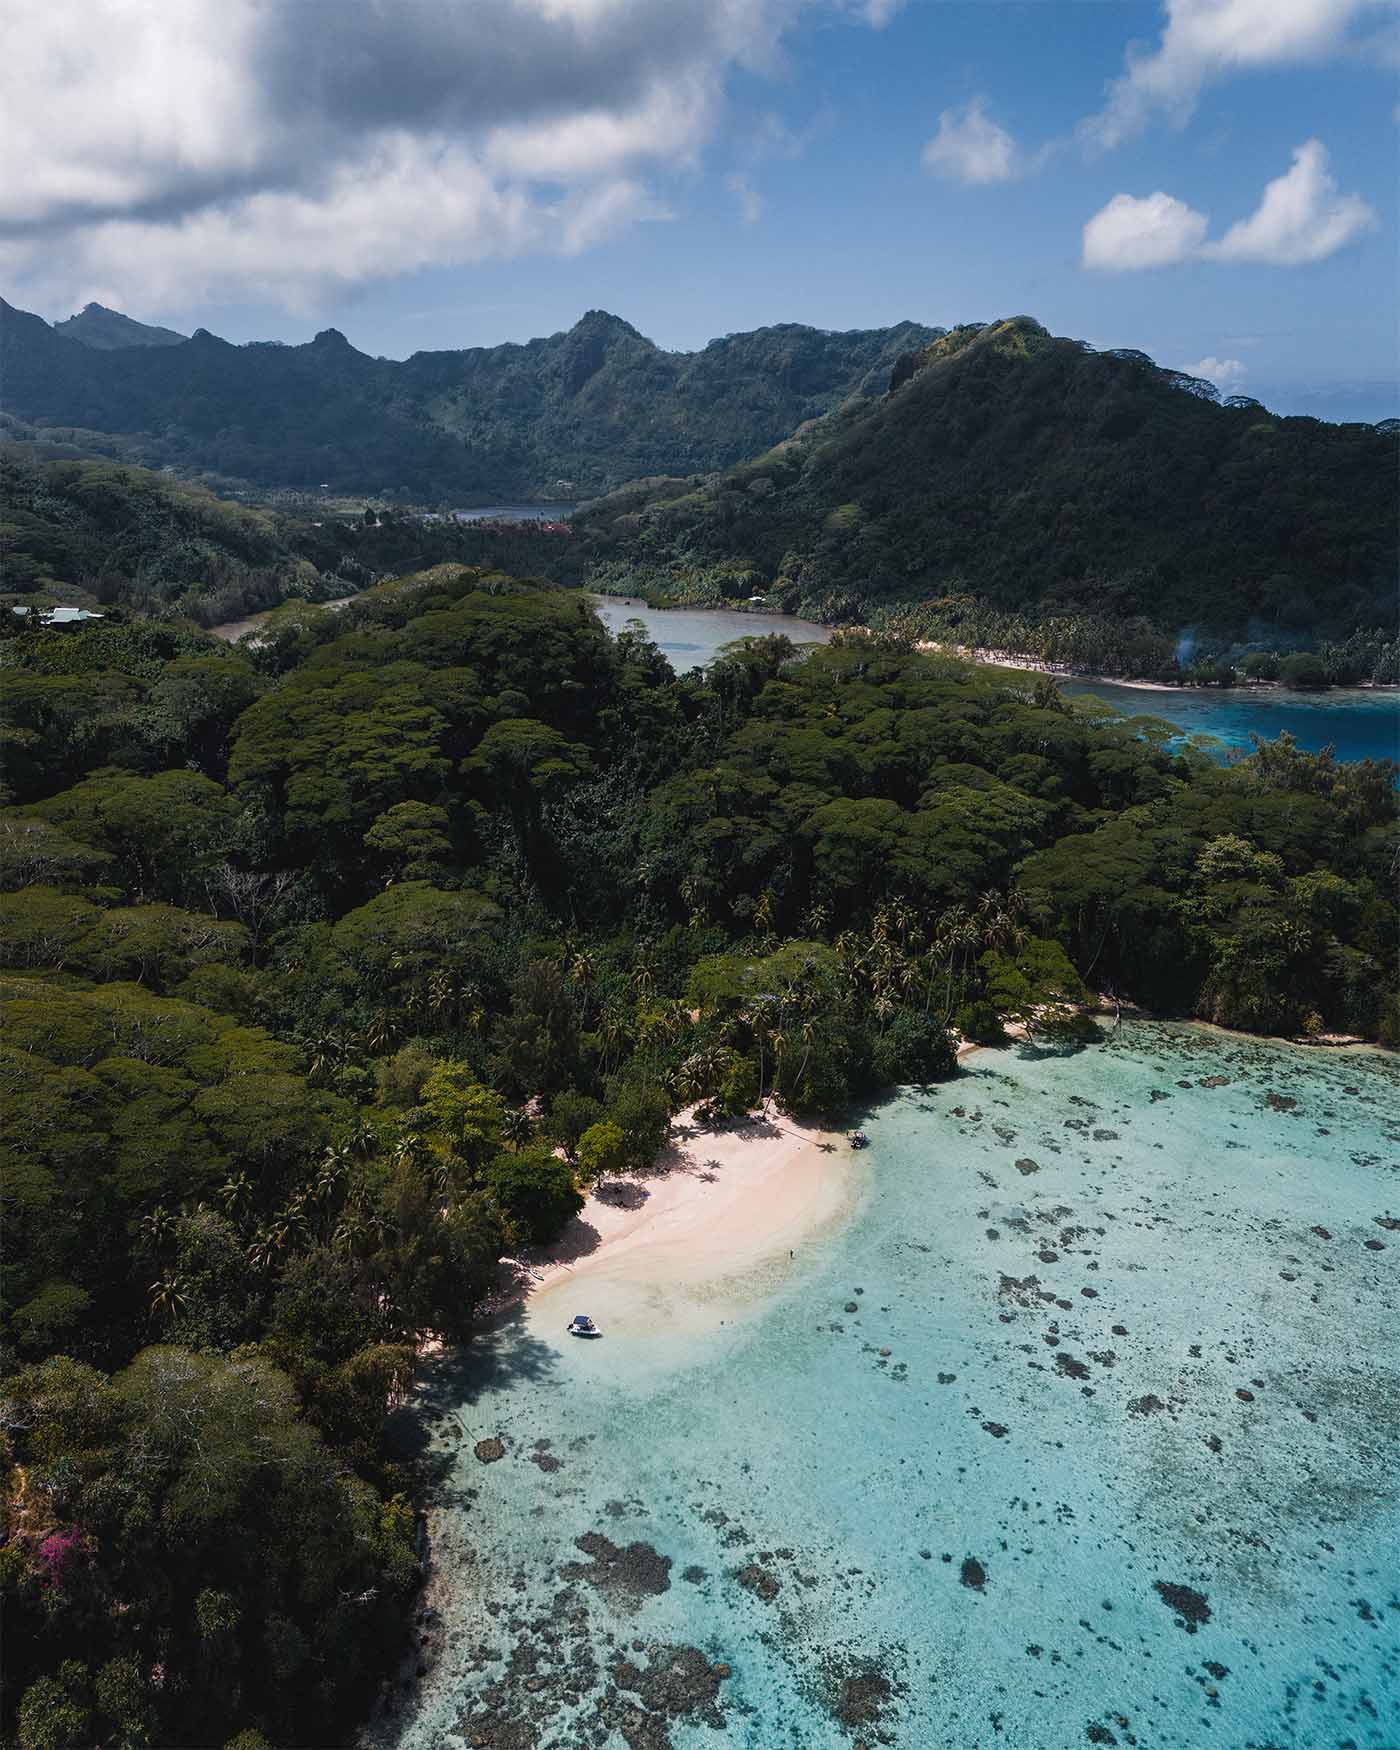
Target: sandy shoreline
point(1009, 659)
point(1061, 671)
point(709, 1226)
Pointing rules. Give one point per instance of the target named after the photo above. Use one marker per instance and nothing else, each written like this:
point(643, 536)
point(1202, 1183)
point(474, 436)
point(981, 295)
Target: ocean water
point(1360, 723)
point(1081, 1425)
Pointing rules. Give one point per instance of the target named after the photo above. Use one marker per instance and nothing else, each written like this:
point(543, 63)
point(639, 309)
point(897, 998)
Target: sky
point(1211, 181)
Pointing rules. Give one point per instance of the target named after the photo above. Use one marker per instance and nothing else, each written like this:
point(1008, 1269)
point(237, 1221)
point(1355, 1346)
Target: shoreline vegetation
point(340, 964)
point(1063, 671)
point(645, 1255)
point(718, 1198)
point(715, 1200)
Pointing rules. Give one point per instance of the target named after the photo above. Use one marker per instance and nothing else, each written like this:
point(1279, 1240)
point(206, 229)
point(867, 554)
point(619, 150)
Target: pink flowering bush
point(59, 1553)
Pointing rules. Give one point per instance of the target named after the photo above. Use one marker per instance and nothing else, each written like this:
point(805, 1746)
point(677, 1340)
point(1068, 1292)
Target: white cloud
point(970, 147)
point(1156, 231)
point(1301, 217)
point(749, 199)
point(875, 13)
point(164, 154)
point(1207, 40)
point(1226, 374)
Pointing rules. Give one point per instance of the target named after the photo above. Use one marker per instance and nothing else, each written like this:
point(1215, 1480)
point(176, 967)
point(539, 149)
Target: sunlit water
point(1098, 1323)
point(1359, 722)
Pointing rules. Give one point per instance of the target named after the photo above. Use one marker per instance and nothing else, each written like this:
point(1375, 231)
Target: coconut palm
point(236, 1193)
point(157, 1228)
point(168, 1297)
point(518, 1128)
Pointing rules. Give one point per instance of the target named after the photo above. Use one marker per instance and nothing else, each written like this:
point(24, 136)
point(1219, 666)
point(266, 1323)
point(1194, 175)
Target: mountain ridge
point(1011, 472)
point(110, 330)
point(579, 411)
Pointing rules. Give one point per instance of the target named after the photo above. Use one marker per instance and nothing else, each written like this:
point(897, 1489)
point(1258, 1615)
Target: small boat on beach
point(580, 1325)
point(858, 1139)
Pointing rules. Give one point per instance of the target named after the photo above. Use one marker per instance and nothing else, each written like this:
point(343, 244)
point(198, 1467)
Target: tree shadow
point(621, 1193)
point(430, 1431)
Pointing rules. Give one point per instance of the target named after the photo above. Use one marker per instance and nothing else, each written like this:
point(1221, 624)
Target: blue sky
point(705, 166)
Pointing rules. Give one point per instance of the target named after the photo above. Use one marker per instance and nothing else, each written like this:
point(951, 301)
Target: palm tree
point(778, 1040)
point(816, 919)
point(518, 1128)
point(236, 1193)
point(157, 1228)
point(643, 977)
point(167, 1297)
point(697, 1076)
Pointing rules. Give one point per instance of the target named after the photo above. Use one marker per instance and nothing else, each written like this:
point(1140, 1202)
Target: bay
point(691, 638)
point(1361, 723)
point(1358, 722)
point(1080, 1426)
point(517, 513)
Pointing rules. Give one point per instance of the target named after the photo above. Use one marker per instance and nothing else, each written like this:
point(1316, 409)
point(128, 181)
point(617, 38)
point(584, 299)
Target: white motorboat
point(580, 1325)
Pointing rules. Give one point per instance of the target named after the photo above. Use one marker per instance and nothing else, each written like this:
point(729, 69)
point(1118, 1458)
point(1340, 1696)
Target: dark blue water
point(1359, 723)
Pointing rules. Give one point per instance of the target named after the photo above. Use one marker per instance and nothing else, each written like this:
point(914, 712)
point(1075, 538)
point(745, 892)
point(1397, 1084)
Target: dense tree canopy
point(441, 911)
point(1018, 491)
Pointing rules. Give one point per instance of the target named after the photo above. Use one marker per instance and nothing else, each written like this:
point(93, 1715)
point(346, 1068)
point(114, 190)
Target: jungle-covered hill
point(1012, 476)
point(571, 414)
point(333, 969)
point(97, 533)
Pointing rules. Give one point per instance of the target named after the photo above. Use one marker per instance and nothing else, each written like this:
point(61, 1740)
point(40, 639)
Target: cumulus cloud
point(1207, 40)
point(1226, 374)
point(228, 147)
point(970, 147)
point(1300, 218)
point(1130, 233)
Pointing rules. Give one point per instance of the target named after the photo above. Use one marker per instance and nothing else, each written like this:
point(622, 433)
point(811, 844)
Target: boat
point(858, 1139)
point(580, 1325)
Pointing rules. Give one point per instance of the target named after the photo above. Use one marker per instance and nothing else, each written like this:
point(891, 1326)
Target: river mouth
point(1083, 1414)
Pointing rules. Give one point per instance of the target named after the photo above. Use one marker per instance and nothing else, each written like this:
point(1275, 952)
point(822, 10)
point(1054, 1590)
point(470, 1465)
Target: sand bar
point(715, 1226)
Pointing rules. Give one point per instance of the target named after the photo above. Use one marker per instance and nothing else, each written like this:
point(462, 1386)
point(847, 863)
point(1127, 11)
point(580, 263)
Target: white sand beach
point(723, 1215)
point(1031, 665)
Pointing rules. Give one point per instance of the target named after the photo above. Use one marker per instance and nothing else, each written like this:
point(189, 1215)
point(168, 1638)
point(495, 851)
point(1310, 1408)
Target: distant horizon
point(1379, 399)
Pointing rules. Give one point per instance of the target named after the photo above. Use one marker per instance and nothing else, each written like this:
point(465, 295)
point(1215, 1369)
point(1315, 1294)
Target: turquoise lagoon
point(1361, 723)
point(1080, 1426)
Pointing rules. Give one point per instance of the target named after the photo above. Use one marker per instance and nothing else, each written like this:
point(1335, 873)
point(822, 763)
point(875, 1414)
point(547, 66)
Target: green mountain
point(566, 416)
point(97, 533)
point(1009, 478)
point(108, 330)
